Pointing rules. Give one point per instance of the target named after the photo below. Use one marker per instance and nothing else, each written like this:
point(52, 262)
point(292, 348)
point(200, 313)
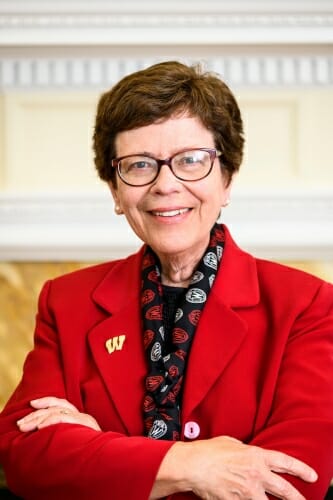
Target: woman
point(191, 368)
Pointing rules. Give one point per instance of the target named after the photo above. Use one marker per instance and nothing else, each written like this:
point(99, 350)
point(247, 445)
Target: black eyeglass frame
point(213, 154)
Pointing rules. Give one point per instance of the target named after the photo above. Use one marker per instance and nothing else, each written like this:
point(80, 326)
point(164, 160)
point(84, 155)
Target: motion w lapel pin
point(115, 343)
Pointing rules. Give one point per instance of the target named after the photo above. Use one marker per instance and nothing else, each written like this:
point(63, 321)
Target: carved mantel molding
point(273, 224)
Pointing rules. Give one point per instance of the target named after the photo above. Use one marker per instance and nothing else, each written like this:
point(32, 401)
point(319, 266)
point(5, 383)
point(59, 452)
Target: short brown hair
point(159, 92)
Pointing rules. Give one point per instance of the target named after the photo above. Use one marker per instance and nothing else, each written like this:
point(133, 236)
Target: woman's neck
point(176, 277)
point(178, 270)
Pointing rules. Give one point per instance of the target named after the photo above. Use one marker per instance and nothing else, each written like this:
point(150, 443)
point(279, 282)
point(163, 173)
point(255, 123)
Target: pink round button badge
point(191, 430)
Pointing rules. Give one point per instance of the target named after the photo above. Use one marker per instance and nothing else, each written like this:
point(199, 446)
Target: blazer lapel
point(219, 335)
point(116, 342)
point(221, 331)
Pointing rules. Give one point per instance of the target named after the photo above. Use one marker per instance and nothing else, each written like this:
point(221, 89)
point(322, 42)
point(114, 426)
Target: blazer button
point(191, 430)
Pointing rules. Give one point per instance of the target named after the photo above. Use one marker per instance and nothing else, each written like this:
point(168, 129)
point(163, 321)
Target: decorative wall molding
point(83, 44)
point(237, 70)
point(46, 22)
point(276, 225)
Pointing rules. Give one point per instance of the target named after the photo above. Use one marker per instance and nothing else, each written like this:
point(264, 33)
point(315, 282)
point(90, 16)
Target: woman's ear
point(115, 196)
point(226, 194)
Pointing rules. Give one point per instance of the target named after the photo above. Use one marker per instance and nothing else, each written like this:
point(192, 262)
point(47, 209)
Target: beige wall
point(46, 140)
point(289, 138)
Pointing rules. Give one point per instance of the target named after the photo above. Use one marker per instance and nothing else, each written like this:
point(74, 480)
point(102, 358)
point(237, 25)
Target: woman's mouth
point(170, 213)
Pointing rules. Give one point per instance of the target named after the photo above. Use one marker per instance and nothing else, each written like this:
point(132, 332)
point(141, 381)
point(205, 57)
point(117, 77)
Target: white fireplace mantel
point(272, 224)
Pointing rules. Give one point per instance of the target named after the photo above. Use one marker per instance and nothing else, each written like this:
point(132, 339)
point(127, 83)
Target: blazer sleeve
point(301, 417)
point(67, 460)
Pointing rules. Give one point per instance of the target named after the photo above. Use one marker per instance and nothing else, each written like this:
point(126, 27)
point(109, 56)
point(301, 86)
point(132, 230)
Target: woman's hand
point(225, 468)
point(50, 411)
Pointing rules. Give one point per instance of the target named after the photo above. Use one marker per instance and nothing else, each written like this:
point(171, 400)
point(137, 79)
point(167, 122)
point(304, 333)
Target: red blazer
point(260, 369)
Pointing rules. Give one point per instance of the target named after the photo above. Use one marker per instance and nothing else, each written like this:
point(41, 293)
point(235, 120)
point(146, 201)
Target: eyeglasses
point(187, 165)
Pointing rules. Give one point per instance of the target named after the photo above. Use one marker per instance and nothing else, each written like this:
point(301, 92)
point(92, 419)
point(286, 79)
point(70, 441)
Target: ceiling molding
point(168, 23)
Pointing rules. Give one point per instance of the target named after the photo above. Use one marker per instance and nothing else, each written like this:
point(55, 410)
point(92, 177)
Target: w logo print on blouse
point(166, 369)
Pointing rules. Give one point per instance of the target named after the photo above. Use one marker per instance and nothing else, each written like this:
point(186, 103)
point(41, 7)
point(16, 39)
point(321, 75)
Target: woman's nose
point(166, 180)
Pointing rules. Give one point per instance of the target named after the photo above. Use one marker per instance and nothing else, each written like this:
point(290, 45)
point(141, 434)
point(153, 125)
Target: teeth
point(171, 213)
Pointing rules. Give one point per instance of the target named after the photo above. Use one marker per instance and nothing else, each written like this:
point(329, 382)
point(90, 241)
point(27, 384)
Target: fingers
point(50, 401)
point(51, 410)
point(281, 488)
point(62, 416)
point(44, 417)
point(41, 418)
point(280, 462)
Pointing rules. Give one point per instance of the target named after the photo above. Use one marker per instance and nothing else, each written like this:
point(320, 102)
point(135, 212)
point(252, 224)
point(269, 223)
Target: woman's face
point(174, 217)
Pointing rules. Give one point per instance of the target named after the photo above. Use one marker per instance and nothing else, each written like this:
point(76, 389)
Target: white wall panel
point(271, 131)
point(48, 142)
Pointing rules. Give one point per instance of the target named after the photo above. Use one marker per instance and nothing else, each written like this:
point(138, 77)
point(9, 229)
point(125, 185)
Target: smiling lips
point(171, 213)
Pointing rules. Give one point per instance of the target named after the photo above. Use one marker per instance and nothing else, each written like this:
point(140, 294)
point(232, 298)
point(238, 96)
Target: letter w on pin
point(115, 343)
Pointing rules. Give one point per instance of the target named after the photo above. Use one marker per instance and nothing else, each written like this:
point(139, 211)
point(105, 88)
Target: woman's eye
point(188, 160)
point(139, 165)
